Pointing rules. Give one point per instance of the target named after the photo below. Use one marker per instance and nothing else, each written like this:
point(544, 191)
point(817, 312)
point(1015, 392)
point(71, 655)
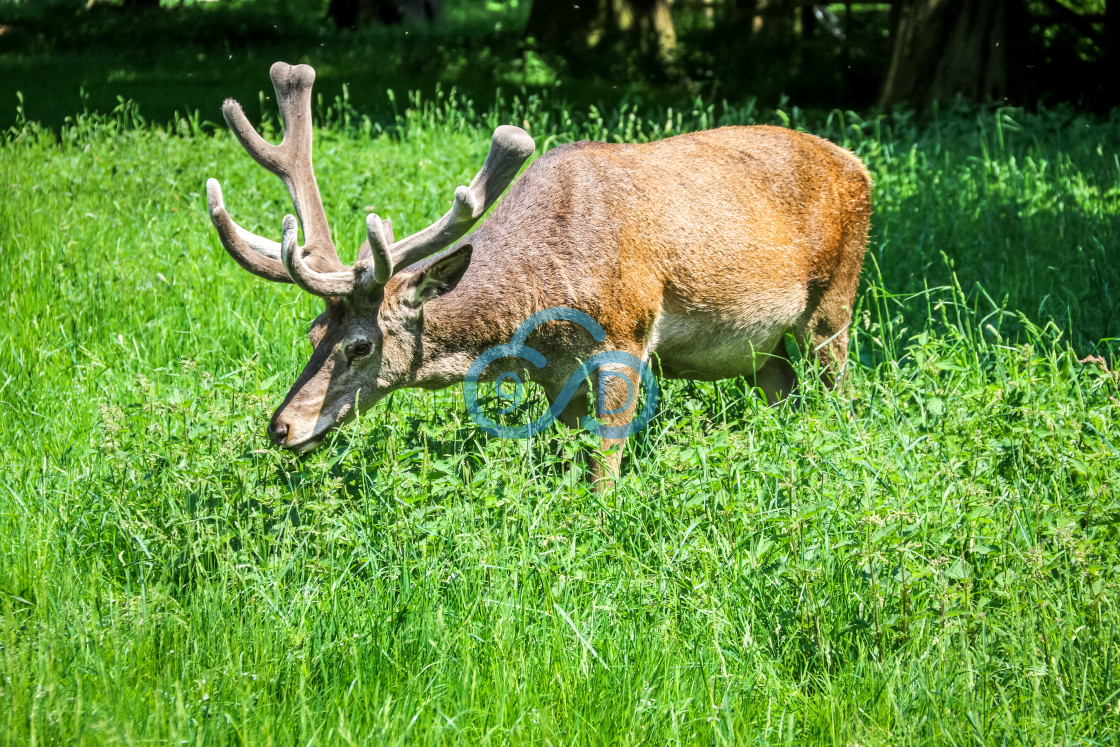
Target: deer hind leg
point(573, 413)
point(823, 336)
point(776, 377)
point(830, 317)
point(828, 343)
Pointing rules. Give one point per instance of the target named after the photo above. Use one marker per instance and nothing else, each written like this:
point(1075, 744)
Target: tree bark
point(942, 49)
point(569, 28)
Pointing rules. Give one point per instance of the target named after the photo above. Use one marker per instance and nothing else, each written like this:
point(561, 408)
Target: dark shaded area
point(69, 56)
point(947, 48)
point(821, 56)
point(354, 14)
point(66, 59)
point(587, 33)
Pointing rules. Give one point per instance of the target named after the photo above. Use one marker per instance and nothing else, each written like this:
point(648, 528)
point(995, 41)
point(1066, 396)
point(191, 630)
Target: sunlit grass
point(928, 555)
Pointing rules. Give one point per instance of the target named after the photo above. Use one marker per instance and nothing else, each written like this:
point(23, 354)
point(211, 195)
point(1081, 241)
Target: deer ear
point(439, 277)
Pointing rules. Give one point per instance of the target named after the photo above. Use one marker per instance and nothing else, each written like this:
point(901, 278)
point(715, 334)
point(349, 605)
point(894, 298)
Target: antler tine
point(508, 150)
point(380, 236)
point(337, 283)
point(255, 253)
point(291, 161)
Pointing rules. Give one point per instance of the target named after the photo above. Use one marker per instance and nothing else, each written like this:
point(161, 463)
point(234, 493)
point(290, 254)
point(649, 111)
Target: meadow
point(928, 555)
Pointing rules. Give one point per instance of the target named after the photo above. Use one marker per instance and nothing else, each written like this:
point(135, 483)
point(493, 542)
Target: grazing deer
point(705, 249)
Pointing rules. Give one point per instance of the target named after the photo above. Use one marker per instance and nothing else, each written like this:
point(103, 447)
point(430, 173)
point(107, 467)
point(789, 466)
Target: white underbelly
point(712, 346)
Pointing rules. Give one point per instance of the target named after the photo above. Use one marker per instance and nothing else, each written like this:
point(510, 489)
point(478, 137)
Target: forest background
point(75, 55)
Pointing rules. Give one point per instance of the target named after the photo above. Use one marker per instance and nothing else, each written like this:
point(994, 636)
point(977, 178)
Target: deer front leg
point(605, 468)
point(602, 471)
point(616, 390)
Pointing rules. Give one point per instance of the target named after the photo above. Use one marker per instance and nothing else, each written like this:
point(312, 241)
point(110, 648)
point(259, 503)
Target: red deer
point(704, 250)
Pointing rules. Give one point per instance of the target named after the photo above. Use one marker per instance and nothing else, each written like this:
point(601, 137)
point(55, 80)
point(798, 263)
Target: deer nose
point(278, 432)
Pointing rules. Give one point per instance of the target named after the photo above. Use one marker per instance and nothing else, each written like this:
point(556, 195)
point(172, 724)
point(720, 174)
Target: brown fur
point(705, 249)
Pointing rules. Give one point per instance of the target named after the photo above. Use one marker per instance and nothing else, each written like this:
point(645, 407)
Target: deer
point(701, 254)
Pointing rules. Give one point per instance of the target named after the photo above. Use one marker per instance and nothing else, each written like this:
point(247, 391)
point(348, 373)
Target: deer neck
point(464, 323)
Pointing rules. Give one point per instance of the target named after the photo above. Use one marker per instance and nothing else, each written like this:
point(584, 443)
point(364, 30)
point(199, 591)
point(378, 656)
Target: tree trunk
point(808, 21)
point(141, 4)
point(1112, 52)
point(942, 49)
point(570, 28)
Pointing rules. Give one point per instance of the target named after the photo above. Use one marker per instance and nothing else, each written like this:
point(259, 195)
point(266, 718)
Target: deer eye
point(359, 349)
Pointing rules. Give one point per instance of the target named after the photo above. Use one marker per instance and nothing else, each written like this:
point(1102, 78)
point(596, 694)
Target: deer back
point(734, 227)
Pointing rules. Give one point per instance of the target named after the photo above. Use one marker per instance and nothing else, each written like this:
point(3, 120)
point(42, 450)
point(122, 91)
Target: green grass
point(928, 556)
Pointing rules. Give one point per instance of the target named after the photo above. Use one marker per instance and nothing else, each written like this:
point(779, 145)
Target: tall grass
point(928, 555)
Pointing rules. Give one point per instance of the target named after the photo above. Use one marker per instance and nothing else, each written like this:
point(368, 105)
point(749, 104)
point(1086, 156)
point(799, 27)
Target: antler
point(508, 150)
point(291, 161)
point(316, 267)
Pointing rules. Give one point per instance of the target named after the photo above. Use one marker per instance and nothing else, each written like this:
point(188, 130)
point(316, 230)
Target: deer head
point(367, 339)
